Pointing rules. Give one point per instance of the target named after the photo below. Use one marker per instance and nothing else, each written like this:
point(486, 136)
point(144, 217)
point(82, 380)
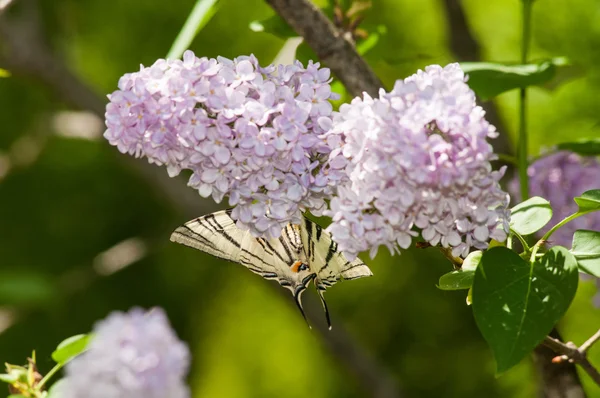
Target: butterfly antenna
point(320, 291)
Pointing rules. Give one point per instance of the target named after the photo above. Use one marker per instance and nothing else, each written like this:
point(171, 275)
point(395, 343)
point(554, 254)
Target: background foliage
point(65, 200)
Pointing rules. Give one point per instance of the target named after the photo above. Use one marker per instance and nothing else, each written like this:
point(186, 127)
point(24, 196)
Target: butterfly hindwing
point(326, 260)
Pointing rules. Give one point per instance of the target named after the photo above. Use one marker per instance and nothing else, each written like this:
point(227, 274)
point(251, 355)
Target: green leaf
point(589, 201)
point(456, 280)
point(16, 396)
point(516, 303)
point(472, 261)
point(585, 147)
point(463, 278)
point(202, 12)
point(70, 348)
point(4, 73)
point(489, 79)
point(274, 25)
point(530, 216)
point(586, 249)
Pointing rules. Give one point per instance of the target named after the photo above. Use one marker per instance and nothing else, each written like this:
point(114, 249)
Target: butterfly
point(303, 253)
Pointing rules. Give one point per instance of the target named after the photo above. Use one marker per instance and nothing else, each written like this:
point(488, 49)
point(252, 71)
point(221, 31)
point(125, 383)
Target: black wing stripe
point(309, 243)
point(254, 256)
point(273, 251)
point(287, 249)
point(319, 230)
point(219, 229)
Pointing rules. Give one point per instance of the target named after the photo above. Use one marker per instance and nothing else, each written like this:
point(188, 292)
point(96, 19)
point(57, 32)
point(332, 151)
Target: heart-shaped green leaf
point(70, 348)
point(589, 200)
point(517, 303)
point(586, 249)
point(489, 79)
point(585, 147)
point(530, 216)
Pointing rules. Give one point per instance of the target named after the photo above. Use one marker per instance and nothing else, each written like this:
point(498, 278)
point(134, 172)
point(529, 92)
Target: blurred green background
point(83, 232)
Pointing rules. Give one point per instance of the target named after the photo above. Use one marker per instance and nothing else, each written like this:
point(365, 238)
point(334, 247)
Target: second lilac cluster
point(416, 160)
point(559, 178)
point(246, 132)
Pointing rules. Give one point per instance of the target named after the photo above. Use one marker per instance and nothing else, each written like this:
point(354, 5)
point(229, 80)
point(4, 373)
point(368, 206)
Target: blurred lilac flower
point(246, 132)
point(131, 355)
point(416, 157)
point(559, 178)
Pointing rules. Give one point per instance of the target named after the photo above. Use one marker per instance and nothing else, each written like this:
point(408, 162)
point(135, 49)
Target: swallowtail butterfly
point(303, 253)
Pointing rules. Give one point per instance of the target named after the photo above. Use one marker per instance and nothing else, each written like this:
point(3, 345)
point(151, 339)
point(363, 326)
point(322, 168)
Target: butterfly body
point(303, 253)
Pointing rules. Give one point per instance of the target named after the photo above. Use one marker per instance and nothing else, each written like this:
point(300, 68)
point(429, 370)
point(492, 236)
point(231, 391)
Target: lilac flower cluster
point(246, 132)
point(131, 355)
point(558, 178)
point(416, 157)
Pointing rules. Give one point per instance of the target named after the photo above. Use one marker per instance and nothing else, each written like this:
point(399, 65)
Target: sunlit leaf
point(202, 12)
point(530, 216)
point(70, 348)
point(4, 73)
point(516, 303)
point(489, 79)
point(456, 280)
point(589, 200)
point(586, 249)
point(585, 147)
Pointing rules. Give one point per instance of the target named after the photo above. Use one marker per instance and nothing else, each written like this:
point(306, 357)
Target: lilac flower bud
point(246, 132)
point(131, 355)
point(559, 178)
point(416, 157)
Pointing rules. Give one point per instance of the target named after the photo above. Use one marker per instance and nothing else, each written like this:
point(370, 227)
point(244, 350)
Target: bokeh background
point(84, 230)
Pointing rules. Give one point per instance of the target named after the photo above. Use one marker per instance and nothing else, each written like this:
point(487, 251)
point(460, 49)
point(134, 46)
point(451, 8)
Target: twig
point(590, 342)
point(570, 352)
point(27, 54)
point(333, 47)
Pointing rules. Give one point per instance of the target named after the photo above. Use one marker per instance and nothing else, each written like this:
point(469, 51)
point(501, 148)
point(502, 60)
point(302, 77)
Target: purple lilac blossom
point(131, 355)
point(558, 178)
point(246, 132)
point(416, 157)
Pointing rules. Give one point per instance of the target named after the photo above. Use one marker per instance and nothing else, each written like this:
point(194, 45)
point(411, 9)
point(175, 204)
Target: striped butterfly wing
point(217, 234)
point(329, 264)
point(280, 259)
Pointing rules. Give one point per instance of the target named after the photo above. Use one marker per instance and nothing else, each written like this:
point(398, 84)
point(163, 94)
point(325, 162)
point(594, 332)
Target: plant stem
point(548, 234)
point(521, 239)
point(522, 150)
point(49, 375)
